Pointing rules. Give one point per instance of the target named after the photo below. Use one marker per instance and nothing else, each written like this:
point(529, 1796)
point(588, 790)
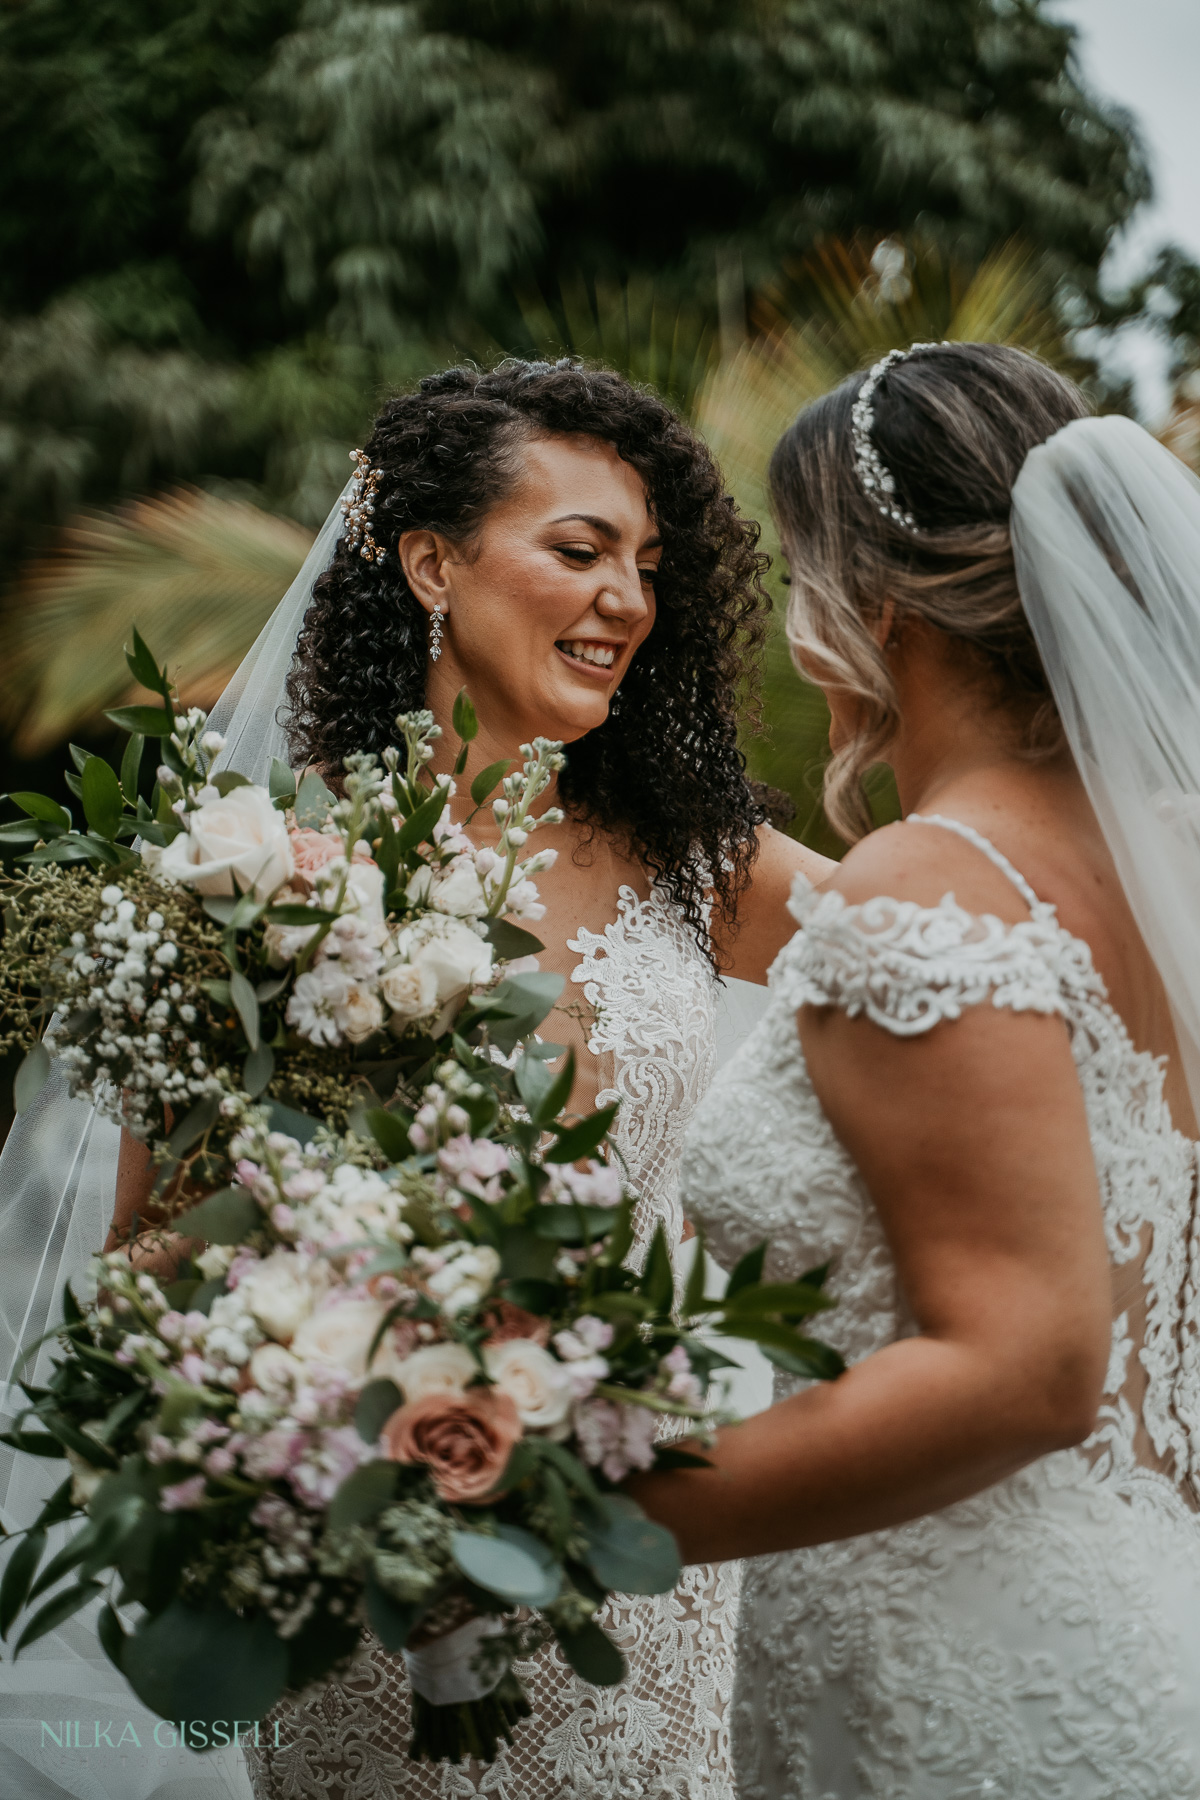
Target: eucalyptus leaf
point(509, 941)
point(226, 1217)
point(207, 1665)
point(111, 1633)
point(281, 783)
point(313, 801)
point(658, 1277)
point(418, 827)
point(131, 767)
point(376, 1404)
point(245, 1004)
point(103, 802)
point(489, 779)
point(364, 1493)
point(228, 779)
point(19, 1572)
point(143, 667)
point(41, 807)
point(195, 1122)
point(390, 1132)
point(626, 1551)
point(293, 1124)
point(464, 718)
point(515, 1565)
point(146, 721)
point(391, 1620)
point(47, 1617)
point(574, 1141)
point(258, 1069)
point(747, 1271)
point(593, 1655)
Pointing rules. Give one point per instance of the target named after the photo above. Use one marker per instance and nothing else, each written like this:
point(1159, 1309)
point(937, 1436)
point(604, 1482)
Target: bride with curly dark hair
point(559, 543)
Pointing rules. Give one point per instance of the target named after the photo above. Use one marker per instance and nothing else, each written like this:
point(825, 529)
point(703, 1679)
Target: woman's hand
point(973, 1142)
point(154, 1250)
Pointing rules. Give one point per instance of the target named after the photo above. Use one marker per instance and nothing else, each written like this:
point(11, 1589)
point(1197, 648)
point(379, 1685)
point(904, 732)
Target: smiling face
point(544, 610)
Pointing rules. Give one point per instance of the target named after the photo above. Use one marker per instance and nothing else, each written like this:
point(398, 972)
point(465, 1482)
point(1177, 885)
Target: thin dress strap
point(989, 849)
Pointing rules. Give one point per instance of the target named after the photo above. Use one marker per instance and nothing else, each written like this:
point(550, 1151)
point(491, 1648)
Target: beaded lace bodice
point(1013, 1646)
point(663, 1734)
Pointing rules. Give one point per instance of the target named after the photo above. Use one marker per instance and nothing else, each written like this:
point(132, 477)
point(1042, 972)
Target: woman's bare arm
point(973, 1142)
point(764, 923)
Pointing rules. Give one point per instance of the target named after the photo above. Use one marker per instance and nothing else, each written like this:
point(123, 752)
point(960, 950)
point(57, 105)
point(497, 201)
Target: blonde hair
point(953, 425)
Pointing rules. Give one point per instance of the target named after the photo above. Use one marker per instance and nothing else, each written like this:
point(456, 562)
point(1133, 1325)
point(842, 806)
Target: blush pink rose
point(464, 1440)
point(311, 850)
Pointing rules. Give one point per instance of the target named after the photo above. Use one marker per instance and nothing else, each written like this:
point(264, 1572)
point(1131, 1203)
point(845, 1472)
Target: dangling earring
point(435, 634)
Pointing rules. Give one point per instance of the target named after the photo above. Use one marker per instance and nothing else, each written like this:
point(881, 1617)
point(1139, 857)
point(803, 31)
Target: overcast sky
point(1146, 55)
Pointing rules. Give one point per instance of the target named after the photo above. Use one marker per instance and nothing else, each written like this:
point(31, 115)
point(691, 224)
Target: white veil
point(58, 1176)
point(1106, 535)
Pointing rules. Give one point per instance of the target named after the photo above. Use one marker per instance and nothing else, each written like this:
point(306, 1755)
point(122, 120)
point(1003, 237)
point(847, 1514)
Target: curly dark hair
point(666, 774)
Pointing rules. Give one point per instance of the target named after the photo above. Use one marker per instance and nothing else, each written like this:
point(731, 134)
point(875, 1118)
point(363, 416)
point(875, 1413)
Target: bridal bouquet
point(227, 939)
point(385, 1394)
point(400, 1367)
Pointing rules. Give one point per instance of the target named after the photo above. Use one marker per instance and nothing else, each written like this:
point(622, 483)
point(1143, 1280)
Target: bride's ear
point(425, 559)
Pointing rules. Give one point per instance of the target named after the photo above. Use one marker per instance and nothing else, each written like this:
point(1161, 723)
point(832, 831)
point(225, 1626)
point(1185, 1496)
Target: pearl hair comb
point(359, 506)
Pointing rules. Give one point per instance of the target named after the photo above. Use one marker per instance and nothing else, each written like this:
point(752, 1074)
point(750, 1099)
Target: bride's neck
point(954, 734)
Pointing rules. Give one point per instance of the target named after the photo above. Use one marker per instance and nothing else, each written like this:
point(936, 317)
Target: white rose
point(277, 1294)
point(364, 888)
point(438, 1369)
point(536, 1384)
point(241, 835)
point(458, 890)
point(409, 991)
point(342, 1335)
point(274, 1369)
point(360, 1014)
point(454, 956)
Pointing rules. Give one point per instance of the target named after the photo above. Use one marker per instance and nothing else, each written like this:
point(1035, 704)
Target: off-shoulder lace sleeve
point(908, 967)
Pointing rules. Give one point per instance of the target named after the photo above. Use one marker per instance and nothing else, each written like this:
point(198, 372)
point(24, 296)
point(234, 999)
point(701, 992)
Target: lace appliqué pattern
point(1042, 1640)
point(663, 1733)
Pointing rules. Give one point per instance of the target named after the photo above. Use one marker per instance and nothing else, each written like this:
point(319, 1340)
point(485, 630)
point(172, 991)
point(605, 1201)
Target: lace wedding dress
point(663, 1734)
point(1042, 1640)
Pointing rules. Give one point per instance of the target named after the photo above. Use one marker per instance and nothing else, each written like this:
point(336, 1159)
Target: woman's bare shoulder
point(764, 923)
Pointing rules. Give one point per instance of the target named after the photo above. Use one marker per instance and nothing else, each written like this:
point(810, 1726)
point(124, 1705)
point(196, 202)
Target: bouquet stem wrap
point(444, 1671)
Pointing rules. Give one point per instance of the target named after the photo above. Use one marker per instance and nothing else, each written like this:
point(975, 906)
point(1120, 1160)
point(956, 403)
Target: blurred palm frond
point(637, 327)
point(198, 574)
point(838, 311)
point(841, 309)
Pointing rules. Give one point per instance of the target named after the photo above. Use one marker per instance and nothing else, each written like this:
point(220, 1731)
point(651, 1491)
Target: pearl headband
point(875, 478)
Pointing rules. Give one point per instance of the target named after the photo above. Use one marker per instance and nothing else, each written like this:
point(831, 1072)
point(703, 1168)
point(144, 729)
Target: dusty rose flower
point(509, 1321)
point(465, 1440)
point(311, 850)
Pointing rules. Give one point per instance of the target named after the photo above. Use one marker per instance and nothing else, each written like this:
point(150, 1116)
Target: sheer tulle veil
point(57, 1184)
point(1106, 535)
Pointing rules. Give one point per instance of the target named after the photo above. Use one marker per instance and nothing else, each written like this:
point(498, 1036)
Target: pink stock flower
point(615, 1438)
point(474, 1165)
point(184, 1496)
point(328, 1458)
point(272, 1455)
